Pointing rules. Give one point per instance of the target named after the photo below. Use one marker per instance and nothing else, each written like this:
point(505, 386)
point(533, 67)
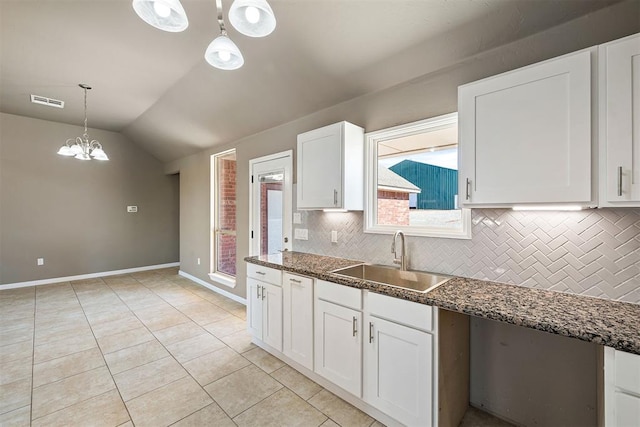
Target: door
point(620, 121)
point(297, 297)
point(271, 208)
point(338, 346)
point(398, 370)
point(525, 136)
point(254, 311)
point(272, 315)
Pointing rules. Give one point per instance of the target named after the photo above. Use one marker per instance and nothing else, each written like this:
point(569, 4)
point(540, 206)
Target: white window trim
point(214, 275)
point(371, 179)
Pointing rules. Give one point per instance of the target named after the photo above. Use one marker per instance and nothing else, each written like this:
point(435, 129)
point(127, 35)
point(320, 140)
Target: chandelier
point(80, 147)
point(253, 18)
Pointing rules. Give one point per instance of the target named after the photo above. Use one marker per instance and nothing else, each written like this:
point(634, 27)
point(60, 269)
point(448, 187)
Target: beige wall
point(73, 213)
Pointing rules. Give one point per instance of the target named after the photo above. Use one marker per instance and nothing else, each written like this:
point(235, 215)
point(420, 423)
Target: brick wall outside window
point(226, 244)
point(393, 208)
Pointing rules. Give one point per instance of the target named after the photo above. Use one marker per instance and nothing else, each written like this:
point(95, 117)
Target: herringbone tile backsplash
point(591, 252)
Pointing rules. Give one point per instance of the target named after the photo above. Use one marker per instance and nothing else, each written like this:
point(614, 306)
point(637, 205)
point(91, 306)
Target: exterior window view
point(224, 213)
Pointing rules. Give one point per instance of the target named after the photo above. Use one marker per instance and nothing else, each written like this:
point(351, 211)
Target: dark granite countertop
point(611, 323)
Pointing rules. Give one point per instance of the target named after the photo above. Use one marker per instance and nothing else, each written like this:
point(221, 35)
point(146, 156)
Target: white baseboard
point(213, 288)
point(87, 276)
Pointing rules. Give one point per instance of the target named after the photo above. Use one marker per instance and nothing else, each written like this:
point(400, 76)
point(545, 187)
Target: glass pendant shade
point(99, 154)
point(222, 53)
point(253, 18)
point(65, 150)
point(83, 156)
point(166, 15)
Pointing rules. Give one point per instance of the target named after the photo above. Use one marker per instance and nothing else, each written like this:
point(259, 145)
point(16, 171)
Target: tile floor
point(146, 349)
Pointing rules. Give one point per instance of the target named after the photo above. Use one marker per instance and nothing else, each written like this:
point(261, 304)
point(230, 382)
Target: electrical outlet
point(334, 236)
point(301, 234)
point(132, 209)
point(297, 218)
point(40, 261)
point(198, 261)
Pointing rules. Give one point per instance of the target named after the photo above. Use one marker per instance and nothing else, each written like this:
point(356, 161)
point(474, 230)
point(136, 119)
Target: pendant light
point(81, 148)
point(253, 18)
point(166, 15)
point(223, 53)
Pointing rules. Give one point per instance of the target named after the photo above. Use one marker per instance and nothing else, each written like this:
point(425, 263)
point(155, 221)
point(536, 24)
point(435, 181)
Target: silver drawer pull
point(262, 273)
point(370, 332)
point(468, 189)
point(295, 280)
point(355, 325)
point(619, 181)
point(258, 292)
point(335, 197)
point(263, 293)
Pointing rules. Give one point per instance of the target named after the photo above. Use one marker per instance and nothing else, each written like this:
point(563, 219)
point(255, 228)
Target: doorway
point(271, 204)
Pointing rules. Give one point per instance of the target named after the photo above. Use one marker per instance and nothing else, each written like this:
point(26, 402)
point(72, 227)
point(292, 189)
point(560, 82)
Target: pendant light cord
point(223, 30)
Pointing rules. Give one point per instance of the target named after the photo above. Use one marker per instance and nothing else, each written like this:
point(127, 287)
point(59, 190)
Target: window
point(412, 180)
point(223, 218)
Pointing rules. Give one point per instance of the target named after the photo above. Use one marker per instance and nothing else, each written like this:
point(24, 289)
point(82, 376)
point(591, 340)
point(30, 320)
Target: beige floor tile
point(106, 410)
point(140, 301)
point(66, 366)
point(61, 348)
point(177, 333)
point(115, 342)
point(264, 360)
point(59, 319)
point(118, 312)
point(203, 312)
point(132, 357)
point(15, 395)
point(226, 326)
point(143, 379)
point(15, 370)
point(213, 366)
point(20, 417)
point(51, 335)
point(175, 295)
point(329, 423)
point(211, 415)
point(15, 351)
point(283, 408)
point(18, 334)
point(239, 341)
point(241, 390)
point(125, 323)
point(194, 347)
point(69, 391)
point(379, 424)
point(298, 383)
point(340, 411)
point(168, 404)
point(123, 279)
point(127, 424)
point(156, 318)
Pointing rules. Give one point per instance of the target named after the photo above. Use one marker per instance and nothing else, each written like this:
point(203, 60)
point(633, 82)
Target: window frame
point(371, 181)
point(215, 275)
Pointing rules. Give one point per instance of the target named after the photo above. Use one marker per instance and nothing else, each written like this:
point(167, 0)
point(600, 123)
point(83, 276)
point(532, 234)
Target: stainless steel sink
point(413, 280)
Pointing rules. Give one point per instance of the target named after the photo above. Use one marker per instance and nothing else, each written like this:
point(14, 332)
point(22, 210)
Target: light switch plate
point(40, 261)
point(132, 209)
point(301, 234)
point(297, 218)
point(334, 236)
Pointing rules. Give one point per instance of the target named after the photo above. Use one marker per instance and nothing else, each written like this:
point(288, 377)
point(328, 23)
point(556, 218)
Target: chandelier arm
point(223, 30)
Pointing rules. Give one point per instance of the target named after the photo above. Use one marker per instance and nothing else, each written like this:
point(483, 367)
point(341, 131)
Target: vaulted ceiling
point(156, 88)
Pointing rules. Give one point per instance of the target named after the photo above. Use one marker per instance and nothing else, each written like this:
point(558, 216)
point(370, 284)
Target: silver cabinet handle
point(258, 291)
point(335, 197)
point(355, 325)
point(619, 181)
point(262, 273)
point(263, 293)
point(295, 281)
point(468, 189)
point(370, 332)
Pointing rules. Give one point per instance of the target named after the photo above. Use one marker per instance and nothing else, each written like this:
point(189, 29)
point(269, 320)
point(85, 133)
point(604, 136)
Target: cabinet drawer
point(339, 294)
point(297, 280)
point(408, 313)
point(628, 371)
point(264, 274)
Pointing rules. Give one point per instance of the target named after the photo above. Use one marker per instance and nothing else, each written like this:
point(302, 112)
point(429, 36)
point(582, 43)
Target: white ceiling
point(156, 88)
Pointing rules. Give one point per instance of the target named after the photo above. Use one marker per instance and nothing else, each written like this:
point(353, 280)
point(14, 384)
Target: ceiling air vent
point(49, 102)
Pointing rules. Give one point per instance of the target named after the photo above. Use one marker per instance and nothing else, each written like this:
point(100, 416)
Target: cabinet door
point(620, 122)
point(320, 168)
point(297, 297)
point(399, 371)
point(338, 345)
point(272, 316)
point(525, 136)
point(627, 410)
point(254, 311)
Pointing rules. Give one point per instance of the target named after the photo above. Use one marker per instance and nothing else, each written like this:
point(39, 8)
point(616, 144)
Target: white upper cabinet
point(330, 168)
point(619, 89)
point(525, 135)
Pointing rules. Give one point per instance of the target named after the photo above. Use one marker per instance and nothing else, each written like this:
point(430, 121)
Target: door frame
point(287, 198)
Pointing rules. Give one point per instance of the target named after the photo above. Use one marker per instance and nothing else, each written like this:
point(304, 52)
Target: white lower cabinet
point(297, 319)
point(338, 345)
point(265, 312)
point(621, 388)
